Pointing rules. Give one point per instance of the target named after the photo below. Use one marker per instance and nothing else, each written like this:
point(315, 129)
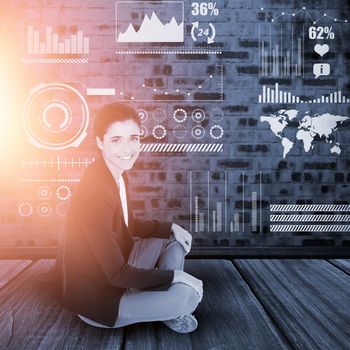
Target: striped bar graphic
point(309, 218)
point(55, 60)
point(100, 92)
point(182, 147)
point(309, 207)
point(309, 228)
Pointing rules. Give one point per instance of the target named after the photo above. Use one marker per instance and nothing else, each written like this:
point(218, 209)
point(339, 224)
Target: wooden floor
point(247, 304)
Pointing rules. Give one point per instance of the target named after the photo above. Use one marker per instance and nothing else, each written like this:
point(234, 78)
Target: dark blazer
point(96, 246)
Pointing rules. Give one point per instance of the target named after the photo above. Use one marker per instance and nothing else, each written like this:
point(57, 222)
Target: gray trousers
point(147, 306)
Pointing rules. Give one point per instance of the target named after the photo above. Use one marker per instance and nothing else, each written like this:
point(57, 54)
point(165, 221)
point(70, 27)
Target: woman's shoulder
point(97, 179)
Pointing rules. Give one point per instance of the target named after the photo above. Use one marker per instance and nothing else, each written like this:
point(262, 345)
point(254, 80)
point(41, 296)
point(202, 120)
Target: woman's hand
point(182, 236)
point(195, 283)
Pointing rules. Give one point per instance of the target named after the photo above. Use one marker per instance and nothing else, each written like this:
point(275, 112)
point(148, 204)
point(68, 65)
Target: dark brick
point(137, 205)
point(253, 149)
point(339, 177)
point(234, 54)
point(249, 121)
point(203, 96)
point(318, 242)
point(238, 164)
point(252, 70)
point(162, 176)
point(167, 69)
point(242, 242)
point(146, 189)
point(155, 203)
point(249, 43)
point(280, 81)
point(238, 108)
point(282, 165)
point(192, 57)
point(320, 165)
point(325, 189)
point(169, 97)
point(320, 82)
point(179, 177)
point(224, 242)
point(174, 203)
point(308, 177)
point(296, 177)
point(284, 191)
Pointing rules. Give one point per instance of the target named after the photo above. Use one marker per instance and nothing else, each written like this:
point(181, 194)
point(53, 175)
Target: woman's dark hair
point(111, 113)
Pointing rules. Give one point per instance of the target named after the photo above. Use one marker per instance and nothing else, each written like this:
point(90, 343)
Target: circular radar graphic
point(180, 115)
point(44, 192)
point(198, 115)
point(55, 116)
point(198, 132)
point(143, 114)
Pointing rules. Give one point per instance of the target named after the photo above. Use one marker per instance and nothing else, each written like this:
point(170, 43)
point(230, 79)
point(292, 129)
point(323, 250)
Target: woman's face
point(120, 145)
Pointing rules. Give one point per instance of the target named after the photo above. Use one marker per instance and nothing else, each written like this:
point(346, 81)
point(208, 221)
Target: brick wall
point(165, 184)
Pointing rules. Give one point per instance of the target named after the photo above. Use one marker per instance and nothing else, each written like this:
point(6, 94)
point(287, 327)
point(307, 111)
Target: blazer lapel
point(109, 177)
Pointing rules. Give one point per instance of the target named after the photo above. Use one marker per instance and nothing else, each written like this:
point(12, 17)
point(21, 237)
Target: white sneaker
point(182, 324)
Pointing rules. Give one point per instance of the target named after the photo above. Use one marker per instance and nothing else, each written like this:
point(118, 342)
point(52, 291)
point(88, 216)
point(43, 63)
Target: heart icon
point(321, 49)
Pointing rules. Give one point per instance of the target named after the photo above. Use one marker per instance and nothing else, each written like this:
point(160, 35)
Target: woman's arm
point(95, 216)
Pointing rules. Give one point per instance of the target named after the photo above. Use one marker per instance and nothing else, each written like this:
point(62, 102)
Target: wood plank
point(10, 269)
point(343, 264)
point(308, 298)
point(229, 317)
point(32, 318)
point(154, 335)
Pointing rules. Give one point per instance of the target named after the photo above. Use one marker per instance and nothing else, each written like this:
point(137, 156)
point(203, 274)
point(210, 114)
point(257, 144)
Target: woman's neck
point(116, 172)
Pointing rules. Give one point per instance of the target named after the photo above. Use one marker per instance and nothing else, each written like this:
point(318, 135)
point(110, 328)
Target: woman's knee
point(187, 297)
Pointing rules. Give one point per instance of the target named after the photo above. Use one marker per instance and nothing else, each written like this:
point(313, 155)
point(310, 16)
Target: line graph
point(206, 87)
point(304, 11)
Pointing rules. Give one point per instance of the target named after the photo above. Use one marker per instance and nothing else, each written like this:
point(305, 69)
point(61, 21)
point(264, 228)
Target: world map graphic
point(289, 127)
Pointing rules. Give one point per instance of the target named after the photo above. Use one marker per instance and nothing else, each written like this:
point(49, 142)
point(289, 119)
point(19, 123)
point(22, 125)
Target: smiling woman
point(120, 144)
point(117, 270)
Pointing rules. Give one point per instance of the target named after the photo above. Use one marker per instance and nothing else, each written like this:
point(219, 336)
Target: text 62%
point(321, 33)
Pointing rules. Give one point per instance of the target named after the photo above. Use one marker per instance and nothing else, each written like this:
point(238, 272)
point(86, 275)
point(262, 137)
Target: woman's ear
point(99, 143)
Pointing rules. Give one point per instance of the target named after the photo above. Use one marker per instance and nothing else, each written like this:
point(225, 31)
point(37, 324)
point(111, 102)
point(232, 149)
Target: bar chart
point(276, 95)
point(212, 209)
point(282, 54)
point(53, 49)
